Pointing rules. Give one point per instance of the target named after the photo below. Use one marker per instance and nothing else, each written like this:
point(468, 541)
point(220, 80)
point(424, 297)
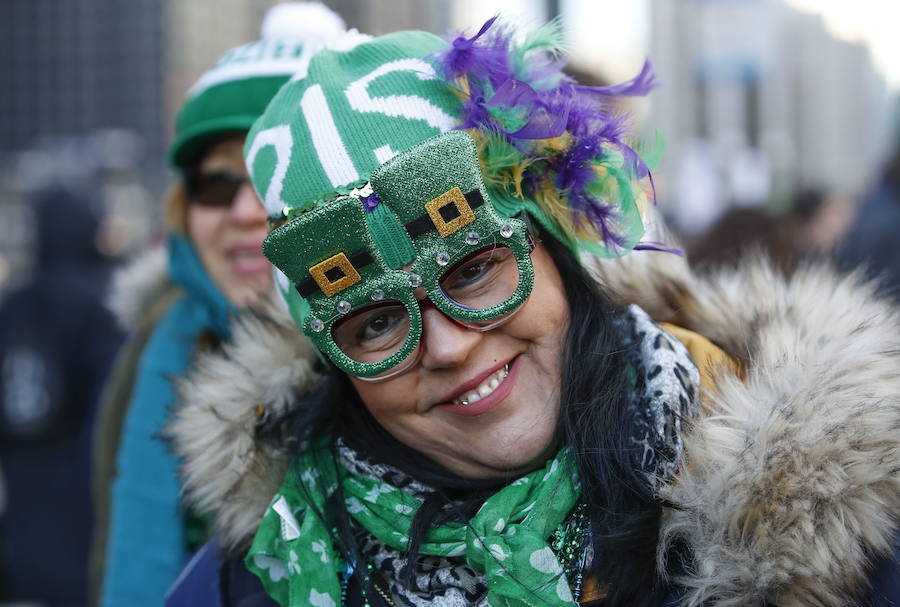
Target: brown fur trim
point(264, 370)
point(791, 485)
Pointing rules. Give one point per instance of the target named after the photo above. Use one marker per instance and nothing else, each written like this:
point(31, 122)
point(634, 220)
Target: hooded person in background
point(872, 241)
point(181, 304)
point(57, 341)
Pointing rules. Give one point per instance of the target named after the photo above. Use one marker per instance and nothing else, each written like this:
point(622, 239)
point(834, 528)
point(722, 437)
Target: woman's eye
point(471, 273)
point(377, 326)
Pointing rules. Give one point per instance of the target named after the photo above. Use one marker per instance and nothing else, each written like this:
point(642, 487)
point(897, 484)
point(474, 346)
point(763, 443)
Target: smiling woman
point(179, 305)
point(227, 223)
point(479, 412)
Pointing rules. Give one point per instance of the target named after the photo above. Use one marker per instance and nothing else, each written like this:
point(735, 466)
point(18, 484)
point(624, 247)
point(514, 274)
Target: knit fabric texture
point(230, 96)
point(354, 110)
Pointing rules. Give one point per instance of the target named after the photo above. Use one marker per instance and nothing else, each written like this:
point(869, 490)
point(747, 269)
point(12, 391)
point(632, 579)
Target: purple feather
point(530, 87)
point(541, 122)
point(466, 55)
point(657, 246)
point(513, 92)
point(640, 85)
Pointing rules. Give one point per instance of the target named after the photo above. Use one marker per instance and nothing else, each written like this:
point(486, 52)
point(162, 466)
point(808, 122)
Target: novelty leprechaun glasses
point(485, 279)
point(371, 325)
point(423, 227)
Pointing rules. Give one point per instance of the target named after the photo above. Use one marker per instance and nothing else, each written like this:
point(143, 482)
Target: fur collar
point(792, 477)
point(136, 287)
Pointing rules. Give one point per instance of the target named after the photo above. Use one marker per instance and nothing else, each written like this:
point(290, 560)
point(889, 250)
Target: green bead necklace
point(571, 543)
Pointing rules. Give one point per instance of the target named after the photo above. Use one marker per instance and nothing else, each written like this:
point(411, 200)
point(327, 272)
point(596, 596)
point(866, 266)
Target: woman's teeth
point(487, 386)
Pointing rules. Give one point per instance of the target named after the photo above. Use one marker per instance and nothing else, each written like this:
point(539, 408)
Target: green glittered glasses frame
point(423, 215)
point(509, 246)
point(484, 279)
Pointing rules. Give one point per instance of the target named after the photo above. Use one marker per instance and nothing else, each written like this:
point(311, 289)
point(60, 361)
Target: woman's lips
point(491, 400)
point(248, 260)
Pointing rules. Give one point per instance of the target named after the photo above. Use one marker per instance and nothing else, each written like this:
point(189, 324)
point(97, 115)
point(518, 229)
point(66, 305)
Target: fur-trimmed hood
point(136, 287)
point(791, 483)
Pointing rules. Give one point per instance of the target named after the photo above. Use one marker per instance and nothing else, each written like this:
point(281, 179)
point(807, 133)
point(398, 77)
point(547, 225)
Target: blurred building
point(198, 32)
point(759, 100)
point(81, 81)
point(75, 66)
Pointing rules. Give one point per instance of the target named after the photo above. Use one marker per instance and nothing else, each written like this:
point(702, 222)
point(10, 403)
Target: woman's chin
point(517, 456)
point(248, 293)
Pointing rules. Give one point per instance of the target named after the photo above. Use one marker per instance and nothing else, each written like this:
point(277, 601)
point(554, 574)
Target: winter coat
point(789, 493)
point(146, 541)
point(140, 295)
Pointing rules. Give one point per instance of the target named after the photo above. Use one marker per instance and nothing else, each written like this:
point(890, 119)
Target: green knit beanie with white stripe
point(354, 110)
point(235, 92)
point(545, 146)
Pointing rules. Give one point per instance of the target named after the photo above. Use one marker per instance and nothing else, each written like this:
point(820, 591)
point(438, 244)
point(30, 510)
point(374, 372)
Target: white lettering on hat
point(281, 139)
point(326, 139)
point(407, 106)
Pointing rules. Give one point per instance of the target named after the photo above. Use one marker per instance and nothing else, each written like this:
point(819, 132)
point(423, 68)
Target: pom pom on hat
point(306, 20)
point(230, 96)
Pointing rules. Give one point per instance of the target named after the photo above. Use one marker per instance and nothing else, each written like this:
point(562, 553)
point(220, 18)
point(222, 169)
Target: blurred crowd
point(76, 209)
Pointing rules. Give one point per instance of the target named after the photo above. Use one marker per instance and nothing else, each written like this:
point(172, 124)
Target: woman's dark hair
point(595, 422)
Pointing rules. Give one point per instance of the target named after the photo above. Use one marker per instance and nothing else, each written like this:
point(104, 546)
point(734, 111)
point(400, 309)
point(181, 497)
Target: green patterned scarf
point(293, 552)
point(506, 540)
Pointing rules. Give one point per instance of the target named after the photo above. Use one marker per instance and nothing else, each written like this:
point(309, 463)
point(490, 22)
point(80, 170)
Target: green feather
point(548, 38)
point(652, 154)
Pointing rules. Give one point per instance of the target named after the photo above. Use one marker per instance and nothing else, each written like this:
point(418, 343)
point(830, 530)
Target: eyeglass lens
point(215, 189)
point(481, 280)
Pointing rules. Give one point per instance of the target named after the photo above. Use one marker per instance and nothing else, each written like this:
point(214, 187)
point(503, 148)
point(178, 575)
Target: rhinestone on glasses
point(377, 295)
point(343, 306)
point(443, 258)
point(415, 281)
point(506, 230)
point(473, 238)
point(316, 324)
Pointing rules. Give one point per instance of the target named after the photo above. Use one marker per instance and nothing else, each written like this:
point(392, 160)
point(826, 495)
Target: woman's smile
point(485, 392)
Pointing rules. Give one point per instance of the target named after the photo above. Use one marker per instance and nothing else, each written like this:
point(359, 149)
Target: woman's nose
point(445, 343)
point(246, 208)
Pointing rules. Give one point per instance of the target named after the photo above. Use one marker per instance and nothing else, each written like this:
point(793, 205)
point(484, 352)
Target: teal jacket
point(147, 546)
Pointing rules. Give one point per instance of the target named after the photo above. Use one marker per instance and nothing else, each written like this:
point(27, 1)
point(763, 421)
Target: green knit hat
point(235, 92)
point(354, 110)
point(545, 146)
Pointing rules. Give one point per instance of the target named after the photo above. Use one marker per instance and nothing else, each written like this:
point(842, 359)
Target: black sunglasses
point(213, 189)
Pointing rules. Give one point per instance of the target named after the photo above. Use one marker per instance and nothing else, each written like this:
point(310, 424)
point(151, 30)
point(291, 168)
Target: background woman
point(489, 422)
point(183, 303)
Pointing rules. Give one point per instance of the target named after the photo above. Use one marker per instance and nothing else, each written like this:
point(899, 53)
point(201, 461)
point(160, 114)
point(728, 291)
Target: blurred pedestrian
point(812, 227)
point(216, 225)
point(57, 341)
point(873, 239)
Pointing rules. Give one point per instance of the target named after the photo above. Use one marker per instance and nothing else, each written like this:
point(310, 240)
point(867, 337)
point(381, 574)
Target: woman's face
point(511, 428)
point(229, 238)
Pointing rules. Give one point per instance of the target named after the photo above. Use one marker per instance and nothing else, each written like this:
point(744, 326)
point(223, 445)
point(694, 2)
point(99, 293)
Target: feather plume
point(544, 138)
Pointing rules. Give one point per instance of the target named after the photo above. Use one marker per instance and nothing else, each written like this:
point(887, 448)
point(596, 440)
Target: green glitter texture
point(311, 239)
point(424, 172)
point(405, 185)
